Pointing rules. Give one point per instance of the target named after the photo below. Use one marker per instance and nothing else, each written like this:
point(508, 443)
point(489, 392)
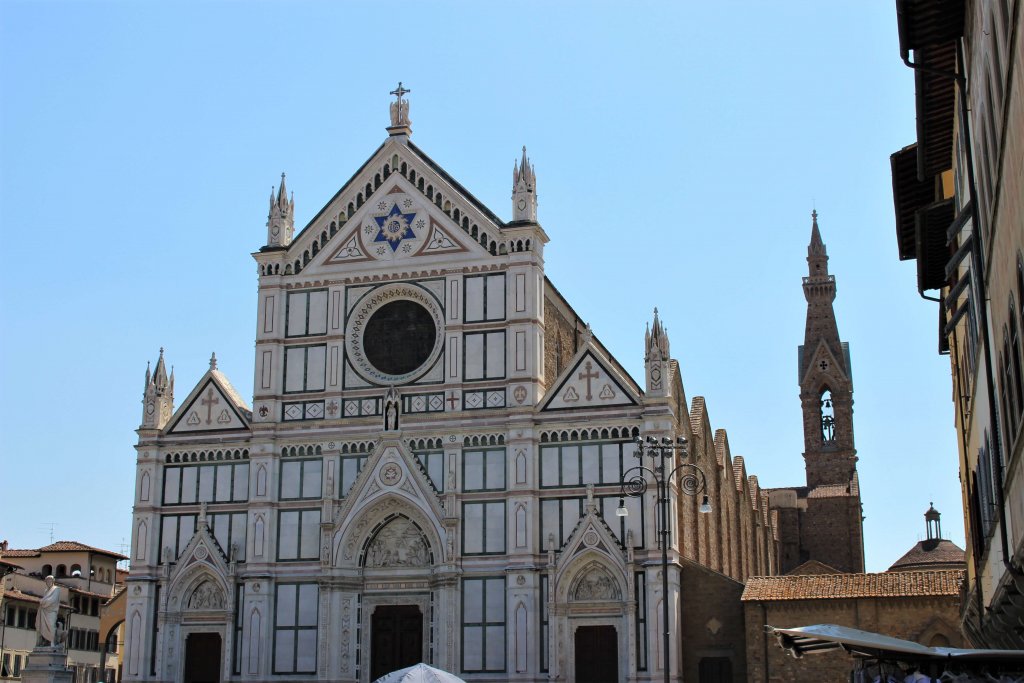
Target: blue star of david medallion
point(394, 227)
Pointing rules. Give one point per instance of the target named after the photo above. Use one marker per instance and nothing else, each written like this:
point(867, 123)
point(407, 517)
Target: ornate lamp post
point(688, 477)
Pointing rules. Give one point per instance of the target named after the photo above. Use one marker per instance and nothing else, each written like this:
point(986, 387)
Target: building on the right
point(959, 198)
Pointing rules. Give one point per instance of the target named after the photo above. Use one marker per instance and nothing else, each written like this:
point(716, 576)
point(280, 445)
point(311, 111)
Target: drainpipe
point(978, 265)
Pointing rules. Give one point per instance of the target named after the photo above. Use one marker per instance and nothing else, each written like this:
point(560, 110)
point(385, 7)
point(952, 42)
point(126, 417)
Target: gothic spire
point(524, 190)
point(656, 345)
point(281, 219)
point(817, 255)
point(160, 373)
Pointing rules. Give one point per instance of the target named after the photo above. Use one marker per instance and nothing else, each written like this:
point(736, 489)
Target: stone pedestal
point(47, 665)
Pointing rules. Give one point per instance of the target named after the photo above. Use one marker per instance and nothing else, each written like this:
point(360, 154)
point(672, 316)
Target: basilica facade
point(430, 468)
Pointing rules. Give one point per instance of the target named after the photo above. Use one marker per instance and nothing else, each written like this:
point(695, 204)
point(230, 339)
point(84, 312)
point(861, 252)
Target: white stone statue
point(49, 606)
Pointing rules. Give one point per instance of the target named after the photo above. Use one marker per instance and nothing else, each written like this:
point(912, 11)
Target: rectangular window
point(484, 356)
point(640, 589)
point(295, 628)
point(483, 470)
point(558, 517)
point(485, 298)
point(433, 463)
point(483, 528)
point(351, 466)
point(307, 313)
point(236, 665)
point(580, 464)
point(305, 368)
point(544, 622)
point(229, 530)
point(191, 484)
point(175, 532)
point(301, 479)
point(298, 535)
point(483, 624)
point(634, 521)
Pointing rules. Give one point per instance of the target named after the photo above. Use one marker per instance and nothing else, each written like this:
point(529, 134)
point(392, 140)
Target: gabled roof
point(75, 546)
point(21, 552)
point(222, 408)
point(812, 567)
point(838, 586)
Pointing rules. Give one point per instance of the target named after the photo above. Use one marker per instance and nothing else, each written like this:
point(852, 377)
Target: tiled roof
point(21, 553)
point(932, 554)
point(75, 546)
point(837, 586)
point(830, 491)
point(15, 594)
point(812, 567)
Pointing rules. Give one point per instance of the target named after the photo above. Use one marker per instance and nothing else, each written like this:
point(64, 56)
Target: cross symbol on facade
point(823, 365)
point(453, 398)
point(209, 402)
point(589, 375)
point(398, 92)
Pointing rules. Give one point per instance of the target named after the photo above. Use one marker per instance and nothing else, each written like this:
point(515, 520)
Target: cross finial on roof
point(400, 111)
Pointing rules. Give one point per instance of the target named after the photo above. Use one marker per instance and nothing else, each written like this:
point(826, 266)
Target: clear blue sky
point(679, 146)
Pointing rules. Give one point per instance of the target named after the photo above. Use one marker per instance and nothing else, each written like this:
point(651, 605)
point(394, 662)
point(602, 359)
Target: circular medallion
point(390, 474)
point(591, 538)
point(201, 553)
point(395, 334)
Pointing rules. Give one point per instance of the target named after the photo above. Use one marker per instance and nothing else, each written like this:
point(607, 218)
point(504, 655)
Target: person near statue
point(49, 606)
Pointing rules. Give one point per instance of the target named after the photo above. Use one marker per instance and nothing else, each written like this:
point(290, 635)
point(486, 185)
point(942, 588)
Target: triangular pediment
point(212, 406)
point(199, 575)
point(399, 205)
point(589, 554)
point(591, 380)
point(391, 482)
point(823, 366)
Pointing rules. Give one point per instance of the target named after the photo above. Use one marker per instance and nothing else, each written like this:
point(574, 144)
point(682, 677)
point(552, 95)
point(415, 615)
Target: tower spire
point(158, 396)
point(657, 358)
point(524, 190)
point(281, 219)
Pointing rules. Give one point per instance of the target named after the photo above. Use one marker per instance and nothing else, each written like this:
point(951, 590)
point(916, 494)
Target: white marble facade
point(418, 441)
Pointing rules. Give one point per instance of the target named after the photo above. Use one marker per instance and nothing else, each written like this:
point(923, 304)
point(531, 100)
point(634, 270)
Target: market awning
point(824, 637)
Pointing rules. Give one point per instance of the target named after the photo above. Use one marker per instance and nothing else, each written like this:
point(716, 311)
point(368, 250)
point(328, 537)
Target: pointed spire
point(281, 218)
point(149, 377)
point(160, 373)
point(656, 345)
point(213, 360)
point(524, 190)
point(816, 247)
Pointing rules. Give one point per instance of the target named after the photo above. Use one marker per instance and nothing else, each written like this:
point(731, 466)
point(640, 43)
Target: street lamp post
point(691, 481)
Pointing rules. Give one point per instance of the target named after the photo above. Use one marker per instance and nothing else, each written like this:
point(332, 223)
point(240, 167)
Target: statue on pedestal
point(46, 620)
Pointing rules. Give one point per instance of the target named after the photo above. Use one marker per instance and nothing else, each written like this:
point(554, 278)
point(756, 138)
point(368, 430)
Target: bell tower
point(826, 382)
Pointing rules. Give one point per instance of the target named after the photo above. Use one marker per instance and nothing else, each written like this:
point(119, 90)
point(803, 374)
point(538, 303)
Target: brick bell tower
point(826, 383)
point(832, 525)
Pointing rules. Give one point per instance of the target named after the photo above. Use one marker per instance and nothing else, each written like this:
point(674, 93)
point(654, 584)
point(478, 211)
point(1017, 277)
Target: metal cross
point(398, 92)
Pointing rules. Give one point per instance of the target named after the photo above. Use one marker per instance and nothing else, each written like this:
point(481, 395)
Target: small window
point(62, 570)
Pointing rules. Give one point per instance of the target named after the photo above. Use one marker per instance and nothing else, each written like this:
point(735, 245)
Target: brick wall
point(916, 619)
point(712, 622)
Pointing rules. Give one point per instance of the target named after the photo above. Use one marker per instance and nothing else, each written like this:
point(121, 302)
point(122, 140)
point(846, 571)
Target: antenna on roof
point(52, 526)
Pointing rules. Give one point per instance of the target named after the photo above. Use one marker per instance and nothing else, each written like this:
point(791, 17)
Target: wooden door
point(202, 658)
point(397, 639)
point(597, 654)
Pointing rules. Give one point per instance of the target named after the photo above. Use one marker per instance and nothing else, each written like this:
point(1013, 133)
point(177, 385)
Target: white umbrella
point(420, 673)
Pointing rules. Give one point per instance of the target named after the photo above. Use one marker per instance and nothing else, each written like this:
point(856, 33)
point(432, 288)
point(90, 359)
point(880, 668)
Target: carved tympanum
point(399, 544)
point(596, 584)
point(206, 596)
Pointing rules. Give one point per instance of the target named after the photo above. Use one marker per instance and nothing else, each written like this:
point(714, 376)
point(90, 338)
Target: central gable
point(398, 205)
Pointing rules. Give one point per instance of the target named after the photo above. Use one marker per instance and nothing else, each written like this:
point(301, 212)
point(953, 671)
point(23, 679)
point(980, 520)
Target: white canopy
point(420, 673)
point(822, 637)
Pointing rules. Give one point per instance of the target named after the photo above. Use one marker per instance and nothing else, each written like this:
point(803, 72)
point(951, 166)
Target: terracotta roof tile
point(15, 594)
point(830, 491)
point(837, 586)
point(928, 554)
point(75, 546)
point(21, 553)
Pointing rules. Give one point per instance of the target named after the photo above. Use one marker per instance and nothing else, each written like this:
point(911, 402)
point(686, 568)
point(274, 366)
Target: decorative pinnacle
point(213, 361)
